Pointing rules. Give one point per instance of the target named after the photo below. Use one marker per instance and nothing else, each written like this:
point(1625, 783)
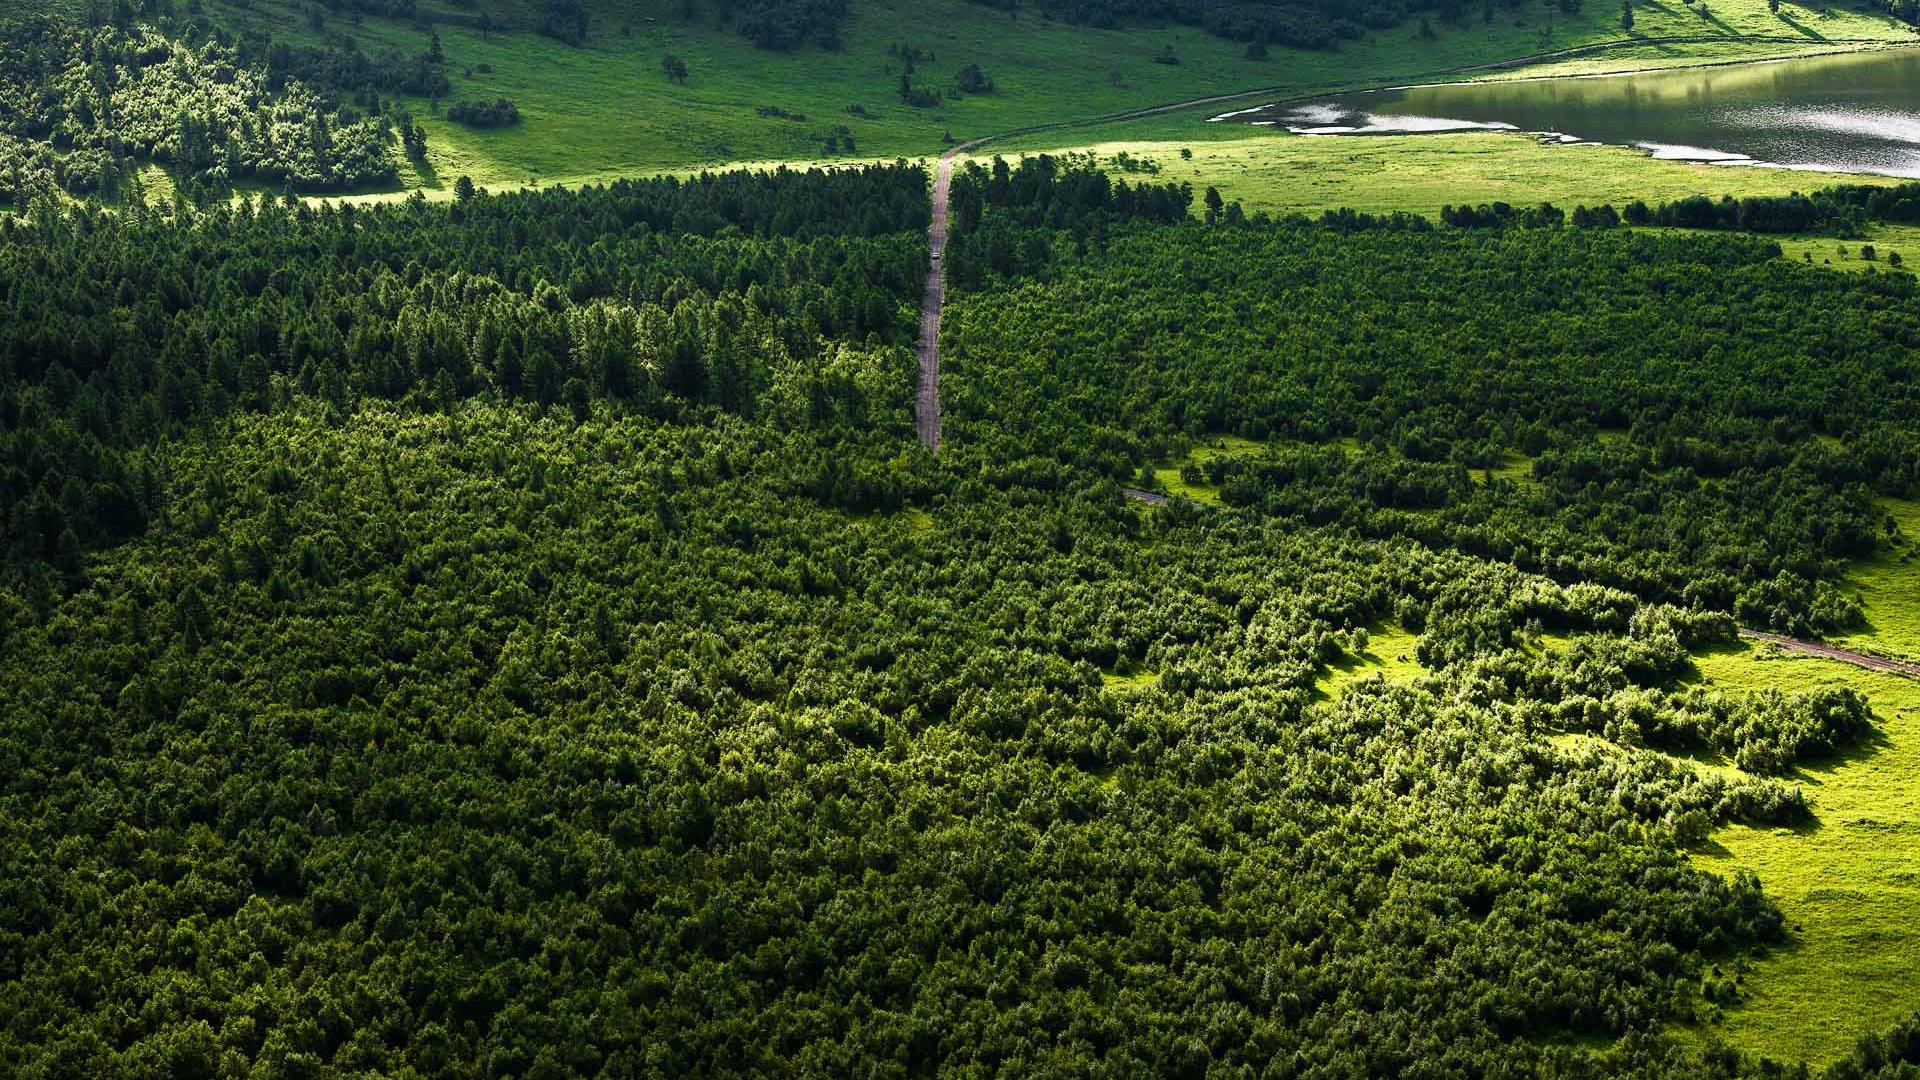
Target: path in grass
point(1829, 652)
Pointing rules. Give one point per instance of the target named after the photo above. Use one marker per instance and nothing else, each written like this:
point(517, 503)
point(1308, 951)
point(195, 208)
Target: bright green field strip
point(609, 110)
point(1889, 585)
point(1849, 887)
point(1389, 654)
point(1278, 172)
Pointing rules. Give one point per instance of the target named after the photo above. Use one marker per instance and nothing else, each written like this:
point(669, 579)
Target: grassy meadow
point(1279, 172)
point(1849, 885)
point(608, 109)
point(1889, 584)
point(1168, 478)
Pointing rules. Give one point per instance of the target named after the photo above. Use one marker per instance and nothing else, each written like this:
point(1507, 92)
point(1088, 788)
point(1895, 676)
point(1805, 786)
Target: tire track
point(1829, 652)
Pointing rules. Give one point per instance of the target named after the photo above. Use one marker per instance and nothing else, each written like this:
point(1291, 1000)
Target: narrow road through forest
point(1829, 652)
point(926, 406)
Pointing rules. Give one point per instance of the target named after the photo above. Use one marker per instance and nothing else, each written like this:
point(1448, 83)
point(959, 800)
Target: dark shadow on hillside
point(1707, 14)
point(1801, 28)
point(429, 176)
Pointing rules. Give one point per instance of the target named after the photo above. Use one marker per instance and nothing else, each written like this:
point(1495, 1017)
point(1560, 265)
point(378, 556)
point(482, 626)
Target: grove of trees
point(523, 637)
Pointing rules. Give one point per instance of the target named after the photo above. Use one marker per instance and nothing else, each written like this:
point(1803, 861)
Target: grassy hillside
point(1845, 883)
point(609, 109)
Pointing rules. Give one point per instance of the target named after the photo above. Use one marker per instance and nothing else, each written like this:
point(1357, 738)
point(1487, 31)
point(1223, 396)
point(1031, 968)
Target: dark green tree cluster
point(728, 290)
point(543, 649)
point(350, 71)
point(565, 21)
point(785, 24)
point(995, 209)
point(500, 112)
point(503, 741)
point(1840, 210)
point(1709, 425)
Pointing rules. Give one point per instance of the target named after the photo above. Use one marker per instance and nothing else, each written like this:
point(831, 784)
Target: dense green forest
point(1707, 424)
point(122, 330)
point(522, 636)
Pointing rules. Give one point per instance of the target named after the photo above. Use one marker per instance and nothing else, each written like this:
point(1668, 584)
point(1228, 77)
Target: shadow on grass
point(1801, 28)
point(1707, 13)
point(429, 176)
point(1811, 771)
point(1711, 847)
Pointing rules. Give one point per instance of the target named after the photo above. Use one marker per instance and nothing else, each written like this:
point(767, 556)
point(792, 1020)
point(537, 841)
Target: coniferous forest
point(521, 636)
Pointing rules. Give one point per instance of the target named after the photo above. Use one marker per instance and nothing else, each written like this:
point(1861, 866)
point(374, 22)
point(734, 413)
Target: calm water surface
point(1852, 113)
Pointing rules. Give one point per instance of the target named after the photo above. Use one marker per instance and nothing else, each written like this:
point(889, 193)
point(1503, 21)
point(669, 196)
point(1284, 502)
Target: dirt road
point(1829, 652)
point(926, 407)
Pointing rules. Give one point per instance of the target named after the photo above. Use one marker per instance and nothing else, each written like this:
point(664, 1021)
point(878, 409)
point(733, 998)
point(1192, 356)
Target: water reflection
point(1852, 113)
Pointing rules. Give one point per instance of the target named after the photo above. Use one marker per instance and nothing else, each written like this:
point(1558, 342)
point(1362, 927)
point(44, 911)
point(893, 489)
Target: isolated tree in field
point(675, 68)
point(972, 80)
point(1213, 203)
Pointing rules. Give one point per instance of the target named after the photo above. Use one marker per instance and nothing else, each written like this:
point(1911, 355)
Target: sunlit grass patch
point(1889, 586)
point(1514, 467)
point(1267, 169)
point(1171, 480)
point(1849, 886)
point(1129, 683)
point(1390, 654)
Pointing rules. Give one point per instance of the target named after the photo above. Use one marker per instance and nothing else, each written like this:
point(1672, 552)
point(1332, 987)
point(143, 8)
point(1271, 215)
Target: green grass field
point(609, 110)
point(1849, 885)
point(1889, 586)
point(1279, 172)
